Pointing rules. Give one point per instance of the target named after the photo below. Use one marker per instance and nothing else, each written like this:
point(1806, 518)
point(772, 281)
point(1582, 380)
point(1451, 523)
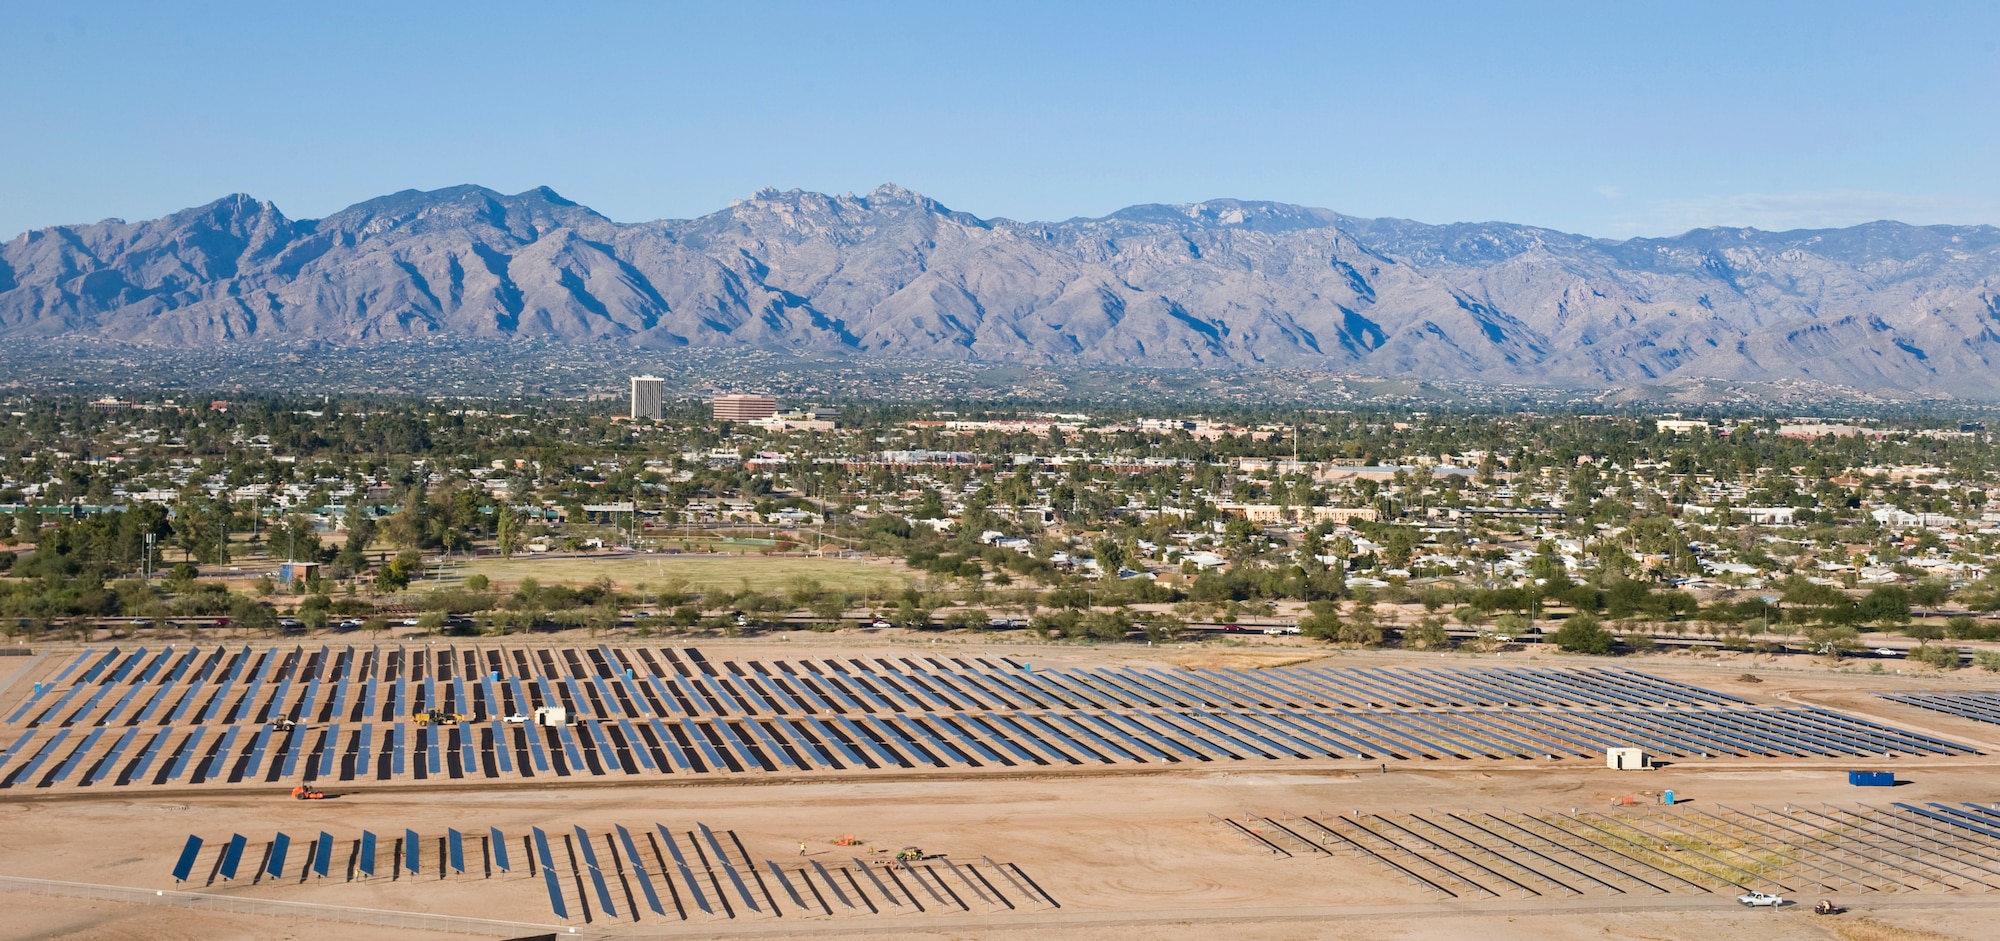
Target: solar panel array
point(217, 715)
point(655, 873)
point(1979, 707)
point(1652, 850)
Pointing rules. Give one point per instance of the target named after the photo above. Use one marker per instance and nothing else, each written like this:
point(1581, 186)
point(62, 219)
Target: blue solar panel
point(413, 861)
point(1957, 818)
point(957, 734)
point(687, 875)
point(549, 875)
point(729, 868)
point(596, 874)
point(330, 753)
point(188, 748)
point(701, 742)
point(367, 861)
point(186, 863)
point(221, 757)
point(639, 868)
point(612, 708)
point(257, 751)
point(146, 757)
point(499, 843)
point(455, 849)
point(232, 856)
point(279, 847)
point(535, 749)
point(638, 747)
point(808, 744)
point(62, 771)
point(570, 749)
point(323, 854)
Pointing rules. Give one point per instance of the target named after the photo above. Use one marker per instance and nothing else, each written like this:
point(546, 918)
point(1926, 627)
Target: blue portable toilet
point(1668, 797)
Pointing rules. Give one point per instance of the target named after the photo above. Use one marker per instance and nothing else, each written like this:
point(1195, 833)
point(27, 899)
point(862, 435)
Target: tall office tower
point(648, 398)
point(744, 407)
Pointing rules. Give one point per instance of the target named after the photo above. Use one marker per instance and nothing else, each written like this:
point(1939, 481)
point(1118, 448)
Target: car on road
point(1886, 652)
point(1761, 900)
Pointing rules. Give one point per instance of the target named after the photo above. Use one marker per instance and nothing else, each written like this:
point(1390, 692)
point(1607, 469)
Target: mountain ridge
point(1882, 305)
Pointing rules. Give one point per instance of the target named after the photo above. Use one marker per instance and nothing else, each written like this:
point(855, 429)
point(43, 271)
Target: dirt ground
point(1128, 855)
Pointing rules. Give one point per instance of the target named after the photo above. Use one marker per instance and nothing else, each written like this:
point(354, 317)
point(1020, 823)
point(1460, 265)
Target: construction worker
point(802, 849)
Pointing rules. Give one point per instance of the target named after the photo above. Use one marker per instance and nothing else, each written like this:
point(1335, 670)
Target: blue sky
point(1612, 119)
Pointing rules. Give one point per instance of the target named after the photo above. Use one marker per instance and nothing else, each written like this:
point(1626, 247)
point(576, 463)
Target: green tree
point(1428, 634)
point(1583, 633)
point(1322, 620)
point(507, 530)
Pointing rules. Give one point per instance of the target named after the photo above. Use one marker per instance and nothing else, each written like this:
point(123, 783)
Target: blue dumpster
point(1872, 778)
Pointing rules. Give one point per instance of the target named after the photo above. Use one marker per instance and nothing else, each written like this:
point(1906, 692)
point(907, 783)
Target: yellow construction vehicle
point(439, 716)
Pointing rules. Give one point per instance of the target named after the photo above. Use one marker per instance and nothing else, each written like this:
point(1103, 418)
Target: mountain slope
point(1222, 283)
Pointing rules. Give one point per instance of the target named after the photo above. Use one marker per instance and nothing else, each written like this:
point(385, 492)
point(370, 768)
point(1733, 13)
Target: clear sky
point(1611, 118)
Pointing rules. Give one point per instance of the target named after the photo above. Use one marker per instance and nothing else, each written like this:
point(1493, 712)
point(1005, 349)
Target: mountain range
point(1219, 284)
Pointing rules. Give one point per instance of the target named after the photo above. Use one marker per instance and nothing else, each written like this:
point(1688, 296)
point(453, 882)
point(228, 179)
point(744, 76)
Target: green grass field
point(692, 572)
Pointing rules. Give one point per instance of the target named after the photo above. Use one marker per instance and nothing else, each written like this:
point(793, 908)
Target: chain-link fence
point(228, 903)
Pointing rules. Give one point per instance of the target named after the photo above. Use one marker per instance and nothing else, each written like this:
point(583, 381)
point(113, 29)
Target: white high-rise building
point(648, 398)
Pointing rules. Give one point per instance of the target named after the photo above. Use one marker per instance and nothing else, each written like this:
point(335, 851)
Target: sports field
point(693, 572)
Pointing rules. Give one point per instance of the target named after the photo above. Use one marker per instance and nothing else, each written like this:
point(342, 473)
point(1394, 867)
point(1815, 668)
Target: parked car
point(1761, 900)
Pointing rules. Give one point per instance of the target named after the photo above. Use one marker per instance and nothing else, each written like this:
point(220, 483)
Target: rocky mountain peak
point(1221, 281)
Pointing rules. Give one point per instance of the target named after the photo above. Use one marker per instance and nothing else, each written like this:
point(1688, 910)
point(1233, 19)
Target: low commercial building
point(743, 407)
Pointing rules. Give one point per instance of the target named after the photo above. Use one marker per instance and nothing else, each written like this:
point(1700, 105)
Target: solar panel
point(367, 861)
point(729, 868)
point(687, 875)
point(322, 854)
point(279, 847)
point(145, 759)
point(412, 853)
point(186, 863)
point(455, 850)
point(549, 875)
point(639, 869)
point(499, 844)
point(570, 749)
point(62, 771)
point(232, 856)
point(596, 874)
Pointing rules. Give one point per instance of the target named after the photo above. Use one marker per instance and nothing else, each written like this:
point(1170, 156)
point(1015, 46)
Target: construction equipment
point(283, 724)
point(1826, 907)
point(910, 854)
point(304, 793)
point(439, 716)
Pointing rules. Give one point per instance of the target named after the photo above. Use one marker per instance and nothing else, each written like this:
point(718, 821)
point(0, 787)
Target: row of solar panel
point(931, 739)
point(840, 691)
point(361, 694)
point(408, 854)
point(319, 856)
point(1979, 707)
